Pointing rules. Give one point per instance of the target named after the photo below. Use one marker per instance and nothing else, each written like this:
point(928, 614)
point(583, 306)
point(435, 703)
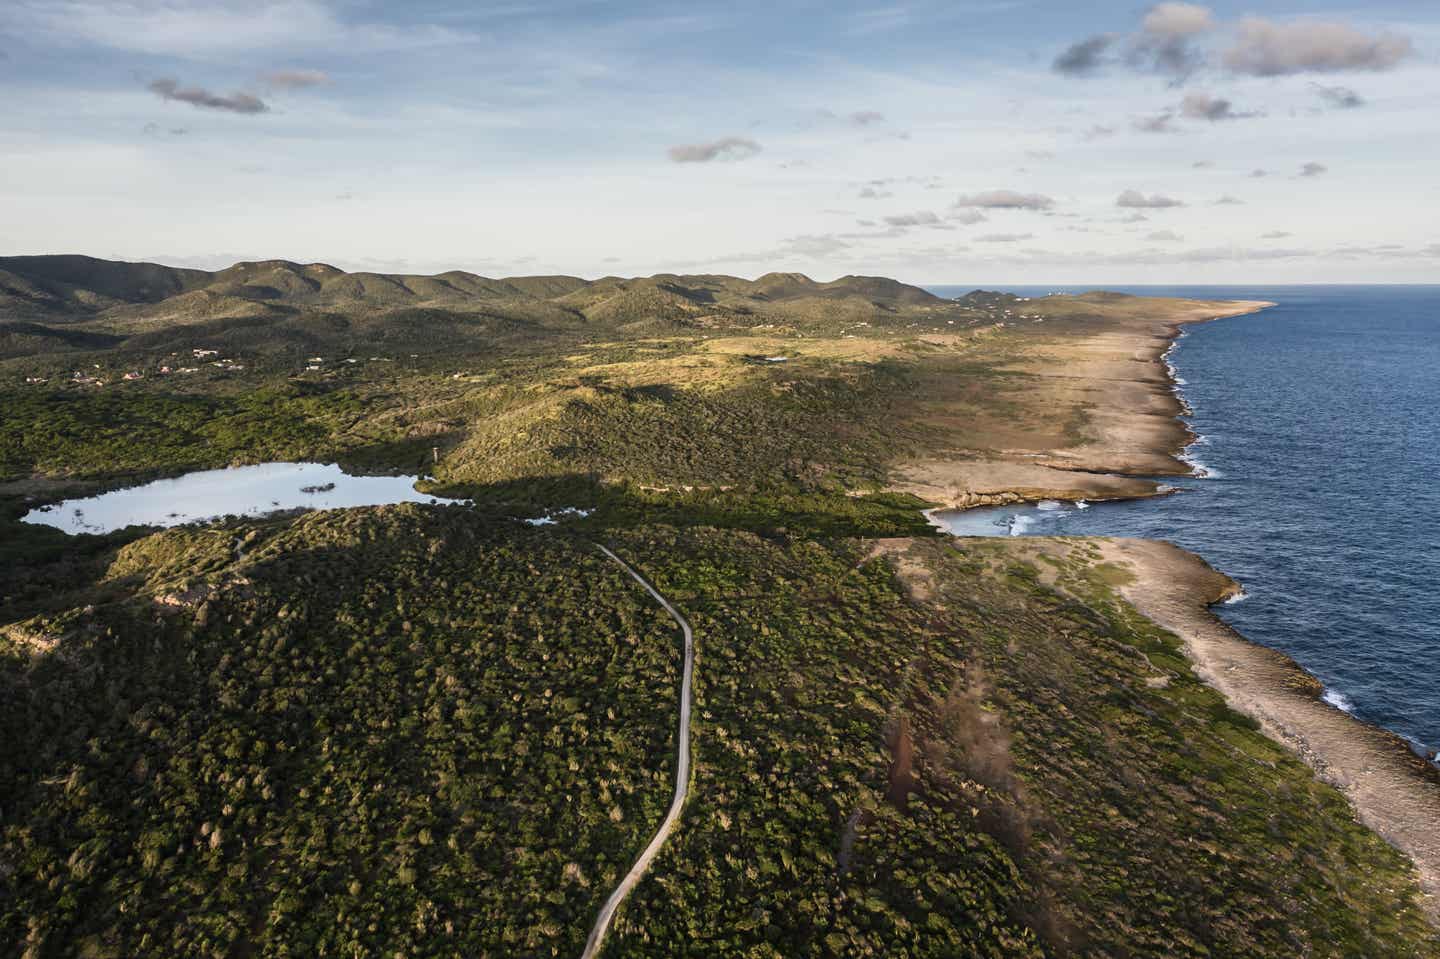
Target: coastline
point(1134, 435)
point(1394, 792)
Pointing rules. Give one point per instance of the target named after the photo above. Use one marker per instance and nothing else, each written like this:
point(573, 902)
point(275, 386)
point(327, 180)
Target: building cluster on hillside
point(96, 376)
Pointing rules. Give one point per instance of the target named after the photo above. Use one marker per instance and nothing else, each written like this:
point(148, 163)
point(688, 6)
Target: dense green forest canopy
point(416, 730)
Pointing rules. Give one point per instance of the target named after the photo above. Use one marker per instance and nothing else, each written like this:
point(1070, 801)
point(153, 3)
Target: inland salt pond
point(236, 491)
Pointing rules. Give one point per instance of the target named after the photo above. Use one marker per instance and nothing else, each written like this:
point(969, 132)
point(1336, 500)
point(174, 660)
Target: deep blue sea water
point(1320, 426)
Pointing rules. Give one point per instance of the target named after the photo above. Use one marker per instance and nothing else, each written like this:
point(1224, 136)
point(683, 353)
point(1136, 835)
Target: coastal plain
point(412, 730)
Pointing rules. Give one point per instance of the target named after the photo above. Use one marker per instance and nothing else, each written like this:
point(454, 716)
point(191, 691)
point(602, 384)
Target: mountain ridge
point(66, 285)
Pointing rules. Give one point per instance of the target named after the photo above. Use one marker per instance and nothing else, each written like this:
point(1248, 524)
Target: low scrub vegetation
point(420, 731)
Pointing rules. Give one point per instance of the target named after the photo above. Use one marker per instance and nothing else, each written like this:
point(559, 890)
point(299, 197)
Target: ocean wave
point(1427, 753)
point(1049, 505)
point(1339, 700)
point(1239, 597)
point(1198, 469)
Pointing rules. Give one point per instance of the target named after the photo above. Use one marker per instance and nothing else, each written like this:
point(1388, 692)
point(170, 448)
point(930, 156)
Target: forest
point(421, 731)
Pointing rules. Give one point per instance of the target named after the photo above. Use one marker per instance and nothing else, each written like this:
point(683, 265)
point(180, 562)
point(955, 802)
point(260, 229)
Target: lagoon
point(236, 491)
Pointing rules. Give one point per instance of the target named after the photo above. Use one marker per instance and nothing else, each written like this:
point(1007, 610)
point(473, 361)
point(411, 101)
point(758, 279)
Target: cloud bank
point(1171, 40)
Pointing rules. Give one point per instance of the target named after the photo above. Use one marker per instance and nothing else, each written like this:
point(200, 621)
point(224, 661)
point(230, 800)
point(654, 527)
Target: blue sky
point(982, 141)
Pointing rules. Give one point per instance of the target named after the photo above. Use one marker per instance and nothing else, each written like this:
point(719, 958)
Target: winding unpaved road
point(682, 776)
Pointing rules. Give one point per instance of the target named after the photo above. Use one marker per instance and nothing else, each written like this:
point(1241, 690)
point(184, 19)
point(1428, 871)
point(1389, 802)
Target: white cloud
point(296, 79)
point(1265, 48)
point(1006, 200)
point(1341, 98)
point(1159, 123)
point(923, 218)
point(238, 102)
point(1134, 199)
point(726, 148)
point(967, 217)
point(1203, 106)
point(1172, 21)
point(1165, 42)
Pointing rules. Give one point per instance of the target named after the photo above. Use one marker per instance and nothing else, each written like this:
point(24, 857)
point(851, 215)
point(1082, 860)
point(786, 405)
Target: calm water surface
point(1320, 425)
point(238, 491)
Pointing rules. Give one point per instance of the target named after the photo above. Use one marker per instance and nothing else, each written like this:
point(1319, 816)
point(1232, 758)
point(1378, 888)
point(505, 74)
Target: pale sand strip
point(1117, 371)
point(1395, 792)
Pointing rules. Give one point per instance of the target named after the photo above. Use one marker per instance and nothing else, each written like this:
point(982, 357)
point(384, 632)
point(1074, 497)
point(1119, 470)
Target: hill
point(79, 287)
point(429, 732)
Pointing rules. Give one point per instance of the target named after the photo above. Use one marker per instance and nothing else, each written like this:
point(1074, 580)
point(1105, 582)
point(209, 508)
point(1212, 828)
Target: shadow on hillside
point(767, 510)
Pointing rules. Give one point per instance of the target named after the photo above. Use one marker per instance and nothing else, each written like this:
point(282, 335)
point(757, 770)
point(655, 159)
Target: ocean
point(1319, 450)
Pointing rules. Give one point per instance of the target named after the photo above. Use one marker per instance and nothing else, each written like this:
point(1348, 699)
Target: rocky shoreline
point(1394, 792)
point(1134, 432)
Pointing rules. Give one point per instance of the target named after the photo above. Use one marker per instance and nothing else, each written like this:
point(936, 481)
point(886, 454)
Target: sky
point(935, 141)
